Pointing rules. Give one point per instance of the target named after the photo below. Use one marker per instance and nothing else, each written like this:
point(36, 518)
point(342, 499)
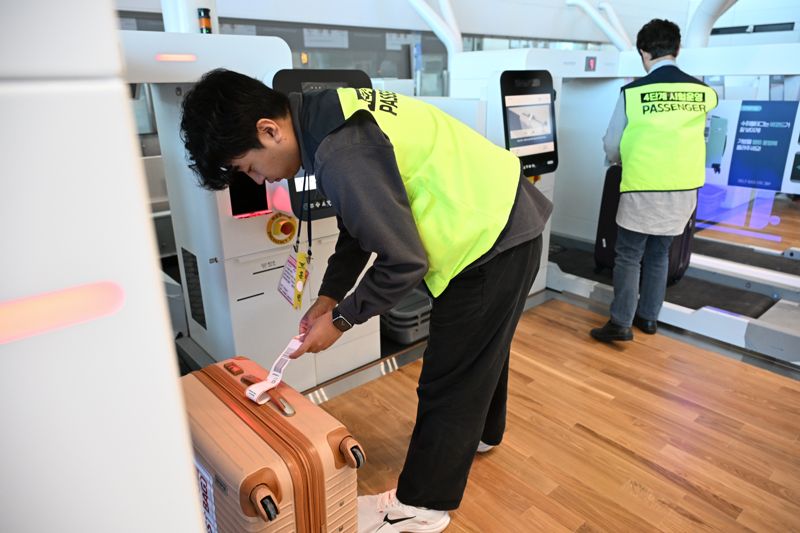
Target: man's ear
point(269, 129)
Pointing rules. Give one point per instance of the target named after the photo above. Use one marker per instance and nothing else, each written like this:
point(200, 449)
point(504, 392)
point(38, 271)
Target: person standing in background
point(657, 133)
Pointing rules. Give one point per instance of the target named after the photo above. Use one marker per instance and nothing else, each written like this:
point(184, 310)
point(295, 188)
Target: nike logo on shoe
point(397, 520)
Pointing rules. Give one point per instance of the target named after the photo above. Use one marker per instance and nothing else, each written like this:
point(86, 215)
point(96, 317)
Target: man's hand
point(320, 335)
point(323, 305)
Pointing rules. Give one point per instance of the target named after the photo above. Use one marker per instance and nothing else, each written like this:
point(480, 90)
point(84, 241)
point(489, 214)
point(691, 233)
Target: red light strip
point(253, 214)
point(43, 313)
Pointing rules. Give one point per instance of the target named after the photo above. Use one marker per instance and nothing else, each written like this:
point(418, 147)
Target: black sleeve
point(344, 266)
point(357, 170)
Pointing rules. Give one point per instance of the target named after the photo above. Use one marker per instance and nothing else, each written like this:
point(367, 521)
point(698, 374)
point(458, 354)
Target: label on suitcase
point(286, 465)
point(206, 483)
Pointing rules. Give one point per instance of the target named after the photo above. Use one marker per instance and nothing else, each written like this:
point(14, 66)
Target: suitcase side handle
point(266, 393)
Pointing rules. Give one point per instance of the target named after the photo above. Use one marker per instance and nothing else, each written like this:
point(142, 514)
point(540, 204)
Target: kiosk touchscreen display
point(530, 129)
point(529, 119)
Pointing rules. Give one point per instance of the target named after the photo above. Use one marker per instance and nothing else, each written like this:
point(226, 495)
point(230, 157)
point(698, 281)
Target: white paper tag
point(294, 278)
point(206, 482)
point(258, 391)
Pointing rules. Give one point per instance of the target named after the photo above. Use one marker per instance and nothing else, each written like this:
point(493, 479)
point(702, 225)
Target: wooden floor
point(653, 435)
point(787, 210)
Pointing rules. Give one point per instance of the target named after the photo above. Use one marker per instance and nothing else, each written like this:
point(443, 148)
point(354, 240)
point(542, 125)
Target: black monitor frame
point(302, 80)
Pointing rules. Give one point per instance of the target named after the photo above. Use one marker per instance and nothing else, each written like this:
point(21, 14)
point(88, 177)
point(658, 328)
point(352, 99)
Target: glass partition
point(752, 192)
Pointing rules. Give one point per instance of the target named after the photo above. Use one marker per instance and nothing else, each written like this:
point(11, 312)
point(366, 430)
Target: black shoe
point(612, 332)
point(647, 326)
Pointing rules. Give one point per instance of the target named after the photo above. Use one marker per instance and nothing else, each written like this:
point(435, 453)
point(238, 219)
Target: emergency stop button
point(287, 228)
point(281, 228)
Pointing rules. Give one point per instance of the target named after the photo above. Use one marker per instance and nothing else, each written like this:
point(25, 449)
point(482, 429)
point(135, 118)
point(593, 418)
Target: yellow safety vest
point(461, 187)
point(663, 146)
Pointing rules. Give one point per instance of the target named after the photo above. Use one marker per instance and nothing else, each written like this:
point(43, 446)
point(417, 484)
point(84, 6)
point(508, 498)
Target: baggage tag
point(258, 392)
point(295, 278)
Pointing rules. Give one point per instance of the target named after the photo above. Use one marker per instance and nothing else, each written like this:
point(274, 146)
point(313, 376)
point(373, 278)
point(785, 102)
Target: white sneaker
point(483, 447)
point(383, 513)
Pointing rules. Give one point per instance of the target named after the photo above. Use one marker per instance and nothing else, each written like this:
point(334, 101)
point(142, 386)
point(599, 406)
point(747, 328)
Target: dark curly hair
point(659, 38)
point(219, 119)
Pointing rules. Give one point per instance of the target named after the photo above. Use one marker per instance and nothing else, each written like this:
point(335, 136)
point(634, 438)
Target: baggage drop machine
point(232, 244)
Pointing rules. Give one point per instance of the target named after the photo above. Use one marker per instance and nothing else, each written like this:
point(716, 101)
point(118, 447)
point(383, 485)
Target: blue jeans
point(639, 253)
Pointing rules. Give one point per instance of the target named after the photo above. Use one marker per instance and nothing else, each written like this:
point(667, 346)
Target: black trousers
point(464, 381)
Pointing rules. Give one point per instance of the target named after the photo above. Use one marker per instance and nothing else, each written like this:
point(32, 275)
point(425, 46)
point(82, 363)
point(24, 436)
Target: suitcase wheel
point(270, 508)
point(353, 454)
point(262, 499)
point(358, 455)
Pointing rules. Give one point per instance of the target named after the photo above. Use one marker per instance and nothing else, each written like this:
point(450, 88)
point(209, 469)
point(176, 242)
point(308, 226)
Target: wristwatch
point(341, 323)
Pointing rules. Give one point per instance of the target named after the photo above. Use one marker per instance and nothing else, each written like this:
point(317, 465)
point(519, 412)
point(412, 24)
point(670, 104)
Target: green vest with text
point(460, 186)
point(663, 145)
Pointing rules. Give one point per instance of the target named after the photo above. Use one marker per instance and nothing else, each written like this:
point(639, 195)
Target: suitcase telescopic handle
point(353, 453)
point(264, 502)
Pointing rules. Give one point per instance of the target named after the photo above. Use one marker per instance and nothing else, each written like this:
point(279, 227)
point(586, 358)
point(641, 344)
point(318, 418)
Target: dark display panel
point(306, 80)
point(247, 198)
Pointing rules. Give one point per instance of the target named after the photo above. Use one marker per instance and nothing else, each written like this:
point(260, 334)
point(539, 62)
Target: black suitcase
point(680, 253)
point(606, 239)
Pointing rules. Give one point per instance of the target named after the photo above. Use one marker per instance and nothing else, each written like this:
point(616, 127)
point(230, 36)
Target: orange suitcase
point(285, 466)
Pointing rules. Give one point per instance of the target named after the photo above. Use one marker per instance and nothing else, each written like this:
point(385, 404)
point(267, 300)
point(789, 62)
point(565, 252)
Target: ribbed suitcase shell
point(239, 444)
point(606, 239)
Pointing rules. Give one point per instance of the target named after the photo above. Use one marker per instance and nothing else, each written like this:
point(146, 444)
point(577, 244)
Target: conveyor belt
point(745, 256)
point(689, 292)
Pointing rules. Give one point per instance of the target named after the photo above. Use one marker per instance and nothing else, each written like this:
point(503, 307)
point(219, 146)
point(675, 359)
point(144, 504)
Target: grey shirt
point(652, 213)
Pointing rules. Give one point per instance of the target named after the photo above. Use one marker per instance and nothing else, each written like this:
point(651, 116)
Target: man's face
point(277, 159)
